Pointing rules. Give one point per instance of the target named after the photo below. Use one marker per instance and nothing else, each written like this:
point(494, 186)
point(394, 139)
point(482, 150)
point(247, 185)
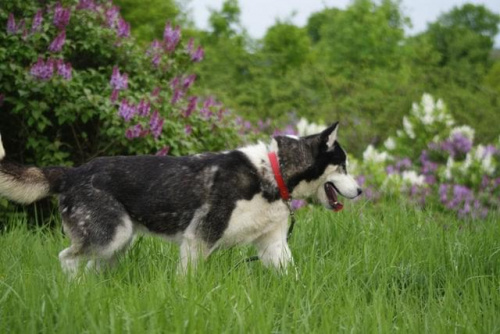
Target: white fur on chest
point(252, 219)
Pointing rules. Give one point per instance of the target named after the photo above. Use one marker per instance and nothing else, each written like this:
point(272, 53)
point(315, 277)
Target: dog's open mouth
point(332, 197)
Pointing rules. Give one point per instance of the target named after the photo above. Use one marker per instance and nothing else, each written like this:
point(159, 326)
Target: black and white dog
point(203, 201)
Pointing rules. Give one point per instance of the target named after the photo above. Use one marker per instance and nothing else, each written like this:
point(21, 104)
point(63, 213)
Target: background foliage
point(355, 64)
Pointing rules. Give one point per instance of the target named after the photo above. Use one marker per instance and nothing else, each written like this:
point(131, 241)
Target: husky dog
point(202, 201)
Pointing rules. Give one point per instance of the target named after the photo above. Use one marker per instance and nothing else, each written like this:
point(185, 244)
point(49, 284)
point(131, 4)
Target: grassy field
point(367, 269)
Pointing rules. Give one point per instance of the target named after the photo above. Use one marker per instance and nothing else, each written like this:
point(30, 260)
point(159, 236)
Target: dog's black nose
point(360, 191)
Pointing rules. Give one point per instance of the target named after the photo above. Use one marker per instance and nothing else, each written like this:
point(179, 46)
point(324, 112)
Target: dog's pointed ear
point(329, 135)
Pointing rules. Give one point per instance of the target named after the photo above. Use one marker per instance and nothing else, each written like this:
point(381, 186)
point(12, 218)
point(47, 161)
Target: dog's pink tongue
point(338, 207)
point(332, 197)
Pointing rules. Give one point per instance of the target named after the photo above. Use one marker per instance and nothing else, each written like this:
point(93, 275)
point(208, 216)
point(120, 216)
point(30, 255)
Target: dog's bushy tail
point(25, 184)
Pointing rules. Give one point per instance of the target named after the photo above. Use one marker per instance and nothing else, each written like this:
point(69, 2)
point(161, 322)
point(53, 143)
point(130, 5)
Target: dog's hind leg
point(70, 260)
point(99, 228)
point(105, 257)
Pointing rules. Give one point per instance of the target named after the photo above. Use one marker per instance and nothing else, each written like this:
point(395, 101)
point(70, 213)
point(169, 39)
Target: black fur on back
point(164, 193)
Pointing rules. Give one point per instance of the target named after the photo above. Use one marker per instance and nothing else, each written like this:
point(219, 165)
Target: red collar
point(273, 158)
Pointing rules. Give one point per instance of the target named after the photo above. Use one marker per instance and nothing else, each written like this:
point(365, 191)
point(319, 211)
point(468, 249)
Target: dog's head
point(317, 165)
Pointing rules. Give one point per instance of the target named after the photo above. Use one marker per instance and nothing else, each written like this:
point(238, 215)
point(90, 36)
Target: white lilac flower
point(439, 104)
point(428, 119)
point(408, 128)
point(305, 128)
point(485, 157)
point(463, 130)
point(390, 144)
point(428, 103)
point(413, 178)
point(426, 114)
point(371, 154)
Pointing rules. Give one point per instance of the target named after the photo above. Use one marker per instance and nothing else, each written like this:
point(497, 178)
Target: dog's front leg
point(273, 248)
point(191, 251)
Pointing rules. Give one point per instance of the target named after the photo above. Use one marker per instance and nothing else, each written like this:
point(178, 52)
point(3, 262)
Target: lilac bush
point(434, 164)
point(73, 74)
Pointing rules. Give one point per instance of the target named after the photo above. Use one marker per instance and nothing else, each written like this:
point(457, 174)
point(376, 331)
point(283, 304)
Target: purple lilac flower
point(61, 16)
point(36, 25)
point(153, 47)
point(171, 37)
point(403, 164)
point(188, 129)
point(164, 151)
point(361, 179)
point(192, 104)
point(443, 193)
point(190, 45)
point(143, 108)
point(222, 112)
point(11, 25)
point(123, 29)
point(86, 4)
point(247, 125)
point(490, 150)
point(134, 131)
point(58, 42)
point(289, 130)
point(198, 55)
point(188, 81)
point(156, 92)
point(174, 82)
point(460, 201)
point(178, 94)
point(462, 144)
point(298, 203)
point(205, 110)
point(118, 81)
point(114, 95)
point(428, 167)
point(111, 15)
point(457, 145)
point(420, 194)
point(155, 52)
point(400, 166)
point(156, 60)
point(127, 110)
point(42, 70)
point(264, 125)
point(156, 124)
point(430, 179)
point(390, 169)
point(64, 70)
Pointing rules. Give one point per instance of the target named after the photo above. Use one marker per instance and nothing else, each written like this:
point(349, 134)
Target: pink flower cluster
point(179, 87)
point(171, 37)
point(44, 70)
point(58, 43)
point(118, 82)
point(196, 55)
point(61, 16)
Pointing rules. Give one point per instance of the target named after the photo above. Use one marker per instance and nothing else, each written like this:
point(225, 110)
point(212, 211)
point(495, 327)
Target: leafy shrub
point(435, 163)
point(74, 85)
point(60, 100)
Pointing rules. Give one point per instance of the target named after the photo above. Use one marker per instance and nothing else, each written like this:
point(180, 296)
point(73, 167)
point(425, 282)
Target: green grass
point(389, 268)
